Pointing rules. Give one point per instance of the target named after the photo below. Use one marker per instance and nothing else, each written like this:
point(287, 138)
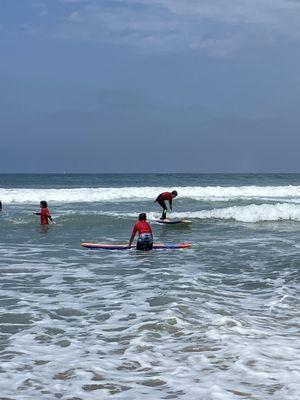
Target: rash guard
point(45, 215)
point(141, 227)
point(165, 196)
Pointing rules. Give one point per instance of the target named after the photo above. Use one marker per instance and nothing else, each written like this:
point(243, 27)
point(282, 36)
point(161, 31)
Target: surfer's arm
point(130, 241)
point(48, 215)
point(132, 235)
point(51, 219)
point(170, 204)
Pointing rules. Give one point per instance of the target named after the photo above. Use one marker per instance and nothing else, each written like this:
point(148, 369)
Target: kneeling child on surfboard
point(145, 239)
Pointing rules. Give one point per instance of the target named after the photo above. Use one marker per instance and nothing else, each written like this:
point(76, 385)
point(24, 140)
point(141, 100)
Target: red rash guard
point(141, 227)
point(45, 214)
point(165, 196)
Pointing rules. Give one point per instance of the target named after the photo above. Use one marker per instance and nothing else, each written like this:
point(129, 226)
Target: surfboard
point(115, 246)
point(173, 221)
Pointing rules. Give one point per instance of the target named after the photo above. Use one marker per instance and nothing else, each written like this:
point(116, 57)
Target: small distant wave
point(113, 194)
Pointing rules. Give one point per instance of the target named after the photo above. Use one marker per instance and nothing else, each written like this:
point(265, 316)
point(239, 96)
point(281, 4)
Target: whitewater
point(217, 321)
point(267, 203)
point(251, 213)
point(107, 194)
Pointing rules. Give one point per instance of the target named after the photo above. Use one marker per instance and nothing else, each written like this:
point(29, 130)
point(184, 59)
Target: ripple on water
point(220, 322)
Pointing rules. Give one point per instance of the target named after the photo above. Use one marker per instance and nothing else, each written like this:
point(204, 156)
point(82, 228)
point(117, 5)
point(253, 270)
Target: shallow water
point(217, 321)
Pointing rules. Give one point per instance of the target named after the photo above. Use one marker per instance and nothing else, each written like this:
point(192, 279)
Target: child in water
point(165, 196)
point(45, 213)
point(145, 239)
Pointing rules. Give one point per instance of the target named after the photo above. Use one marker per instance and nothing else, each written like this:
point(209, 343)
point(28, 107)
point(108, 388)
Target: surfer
point(0, 205)
point(45, 213)
point(169, 196)
point(145, 239)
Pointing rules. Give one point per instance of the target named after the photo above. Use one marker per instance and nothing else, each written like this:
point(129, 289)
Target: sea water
point(218, 321)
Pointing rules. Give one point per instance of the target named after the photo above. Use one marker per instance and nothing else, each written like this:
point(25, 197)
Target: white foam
point(87, 195)
point(97, 331)
point(250, 213)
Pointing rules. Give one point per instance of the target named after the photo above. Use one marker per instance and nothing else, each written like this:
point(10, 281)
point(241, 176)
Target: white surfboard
point(173, 221)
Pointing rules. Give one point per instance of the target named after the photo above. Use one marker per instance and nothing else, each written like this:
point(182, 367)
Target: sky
point(149, 86)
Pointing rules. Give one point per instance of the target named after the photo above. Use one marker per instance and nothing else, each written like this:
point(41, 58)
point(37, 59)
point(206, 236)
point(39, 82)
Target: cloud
point(73, 1)
point(219, 27)
point(74, 17)
point(230, 11)
point(216, 46)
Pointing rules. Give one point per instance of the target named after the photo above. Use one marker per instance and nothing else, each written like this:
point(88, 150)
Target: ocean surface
point(219, 321)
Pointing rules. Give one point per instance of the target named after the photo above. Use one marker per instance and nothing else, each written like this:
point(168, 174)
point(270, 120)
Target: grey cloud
point(148, 28)
point(73, 1)
point(75, 16)
point(219, 27)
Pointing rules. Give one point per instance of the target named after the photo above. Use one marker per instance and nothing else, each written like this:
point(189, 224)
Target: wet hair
point(142, 217)
point(44, 204)
point(174, 193)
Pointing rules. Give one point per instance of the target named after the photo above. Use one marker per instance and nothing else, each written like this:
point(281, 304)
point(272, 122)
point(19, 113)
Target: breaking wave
point(208, 193)
point(250, 213)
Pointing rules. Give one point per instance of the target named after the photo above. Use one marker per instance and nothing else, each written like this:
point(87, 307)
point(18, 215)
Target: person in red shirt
point(145, 239)
point(45, 213)
point(169, 196)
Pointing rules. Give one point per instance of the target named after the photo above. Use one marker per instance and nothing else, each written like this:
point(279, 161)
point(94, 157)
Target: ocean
point(218, 321)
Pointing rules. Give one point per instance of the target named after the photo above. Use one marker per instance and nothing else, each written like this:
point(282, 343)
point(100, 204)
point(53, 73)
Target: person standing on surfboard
point(145, 239)
point(45, 213)
point(169, 196)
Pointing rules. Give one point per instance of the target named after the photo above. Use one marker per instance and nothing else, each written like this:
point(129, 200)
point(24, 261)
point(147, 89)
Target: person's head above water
point(174, 193)
point(142, 217)
point(43, 204)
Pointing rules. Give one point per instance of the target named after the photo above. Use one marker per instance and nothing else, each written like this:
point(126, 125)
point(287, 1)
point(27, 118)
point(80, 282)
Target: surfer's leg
point(144, 246)
point(164, 207)
point(145, 242)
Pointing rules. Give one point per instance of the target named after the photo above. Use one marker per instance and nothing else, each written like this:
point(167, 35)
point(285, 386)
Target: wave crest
point(208, 193)
point(250, 213)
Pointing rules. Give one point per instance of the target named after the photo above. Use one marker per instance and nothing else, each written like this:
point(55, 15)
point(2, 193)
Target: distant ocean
point(219, 321)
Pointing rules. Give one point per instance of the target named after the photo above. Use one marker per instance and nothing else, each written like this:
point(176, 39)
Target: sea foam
point(112, 194)
point(249, 213)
